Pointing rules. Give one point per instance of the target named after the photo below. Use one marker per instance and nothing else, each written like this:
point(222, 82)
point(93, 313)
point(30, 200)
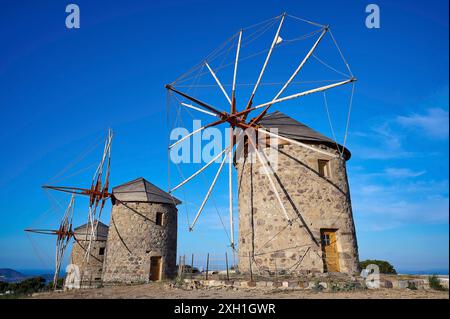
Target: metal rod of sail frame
point(208, 193)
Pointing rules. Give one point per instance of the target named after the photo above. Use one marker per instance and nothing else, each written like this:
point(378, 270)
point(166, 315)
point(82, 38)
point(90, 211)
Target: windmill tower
point(298, 217)
point(317, 233)
point(90, 270)
point(142, 237)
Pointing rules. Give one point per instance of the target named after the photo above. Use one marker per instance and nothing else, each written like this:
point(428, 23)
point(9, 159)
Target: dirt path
point(162, 291)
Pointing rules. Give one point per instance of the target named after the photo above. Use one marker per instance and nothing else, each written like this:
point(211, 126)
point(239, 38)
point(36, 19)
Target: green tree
point(385, 266)
point(28, 286)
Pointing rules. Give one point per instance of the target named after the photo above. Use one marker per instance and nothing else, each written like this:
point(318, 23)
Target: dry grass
point(162, 291)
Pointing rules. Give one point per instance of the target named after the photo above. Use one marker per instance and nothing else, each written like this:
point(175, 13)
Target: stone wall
point(90, 270)
point(134, 237)
point(313, 203)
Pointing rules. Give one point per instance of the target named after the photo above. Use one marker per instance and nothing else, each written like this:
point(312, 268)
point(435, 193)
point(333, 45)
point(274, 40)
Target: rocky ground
point(169, 291)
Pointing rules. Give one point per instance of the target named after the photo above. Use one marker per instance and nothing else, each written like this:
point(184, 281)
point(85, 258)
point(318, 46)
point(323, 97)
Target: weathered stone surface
point(312, 202)
point(90, 269)
point(386, 284)
point(401, 284)
point(134, 238)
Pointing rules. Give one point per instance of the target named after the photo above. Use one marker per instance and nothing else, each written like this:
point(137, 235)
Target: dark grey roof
point(293, 129)
point(83, 230)
point(141, 190)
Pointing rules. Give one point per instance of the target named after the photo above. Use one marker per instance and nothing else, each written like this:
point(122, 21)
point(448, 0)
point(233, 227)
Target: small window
point(324, 168)
point(159, 219)
point(101, 251)
point(326, 239)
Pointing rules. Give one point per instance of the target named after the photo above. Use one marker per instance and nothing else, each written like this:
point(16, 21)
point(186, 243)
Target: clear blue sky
point(61, 89)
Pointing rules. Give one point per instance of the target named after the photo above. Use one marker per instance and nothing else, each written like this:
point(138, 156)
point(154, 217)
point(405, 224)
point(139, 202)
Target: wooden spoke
point(233, 88)
point(199, 109)
point(208, 193)
point(196, 101)
point(300, 66)
point(297, 95)
point(200, 170)
point(269, 54)
point(218, 83)
point(263, 160)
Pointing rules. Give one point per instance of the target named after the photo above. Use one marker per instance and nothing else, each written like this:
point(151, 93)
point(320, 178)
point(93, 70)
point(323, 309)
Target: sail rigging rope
point(340, 52)
point(325, 102)
point(348, 115)
point(329, 66)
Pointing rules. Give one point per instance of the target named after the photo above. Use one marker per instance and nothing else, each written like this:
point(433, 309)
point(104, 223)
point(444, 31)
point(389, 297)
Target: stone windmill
point(294, 215)
point(142, 236)
point(97, 193)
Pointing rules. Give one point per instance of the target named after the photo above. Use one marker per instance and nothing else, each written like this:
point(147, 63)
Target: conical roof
point(293, 129)
point(141, 190)
point(83, 230)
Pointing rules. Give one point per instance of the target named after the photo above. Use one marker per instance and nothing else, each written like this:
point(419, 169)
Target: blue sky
point(61, 89)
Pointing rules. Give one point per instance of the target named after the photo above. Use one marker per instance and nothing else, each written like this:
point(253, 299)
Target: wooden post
point(192, 266)
point(207, 265)
point(183, 268)
point(226, 262)
point(179, 267)
point(250, 264)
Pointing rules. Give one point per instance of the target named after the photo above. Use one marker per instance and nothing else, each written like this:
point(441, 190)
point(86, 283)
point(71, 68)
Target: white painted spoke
point(218, 82)
point(200, 170)
point(274, 42)
point(263, 159)
point(187, 136)
point(198, 109)
point(208, 193)
point(294, 96)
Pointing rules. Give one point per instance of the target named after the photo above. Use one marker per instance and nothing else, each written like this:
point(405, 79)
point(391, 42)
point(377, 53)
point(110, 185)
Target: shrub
point(435, 283)
point(412, 285)
point(385, 266)
point(4, 286)
point(59, 285)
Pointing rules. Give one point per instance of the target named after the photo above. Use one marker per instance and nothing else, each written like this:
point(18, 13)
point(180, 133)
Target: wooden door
point(155, 268)
point(329, 249)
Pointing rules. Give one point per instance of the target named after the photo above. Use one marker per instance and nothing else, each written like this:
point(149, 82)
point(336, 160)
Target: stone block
point(261, 284)
point(386, 284)
point(277, 284)
point(401, 284)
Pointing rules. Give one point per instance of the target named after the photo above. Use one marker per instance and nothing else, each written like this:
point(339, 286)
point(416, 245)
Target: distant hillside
point(11, 275)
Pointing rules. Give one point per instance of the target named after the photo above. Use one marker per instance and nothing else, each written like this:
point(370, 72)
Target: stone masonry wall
point(313, 203)
point(134, 237)
point(90, 270)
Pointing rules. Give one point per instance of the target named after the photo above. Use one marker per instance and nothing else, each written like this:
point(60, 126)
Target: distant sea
point(40, 272)
point(45, 273)
point(423, 272)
